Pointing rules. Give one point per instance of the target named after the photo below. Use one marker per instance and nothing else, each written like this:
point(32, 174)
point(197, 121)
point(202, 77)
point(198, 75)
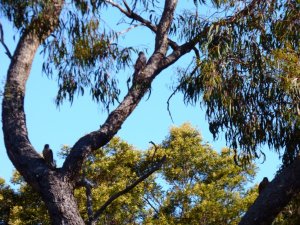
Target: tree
point(103, 175)
point(200, 185)
point(26, 205)
point(235, 72)
point(7, 200)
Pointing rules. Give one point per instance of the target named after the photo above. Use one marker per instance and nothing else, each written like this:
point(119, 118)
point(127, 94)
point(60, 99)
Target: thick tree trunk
point(274, 197)
point(55, 190)
point(59, 198)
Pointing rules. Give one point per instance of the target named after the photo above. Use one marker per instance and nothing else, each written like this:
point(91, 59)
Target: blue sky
point(149, 122)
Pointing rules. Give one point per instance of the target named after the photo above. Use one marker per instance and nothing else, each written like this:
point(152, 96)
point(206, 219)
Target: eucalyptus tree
point(195, 185)
point(245, 71)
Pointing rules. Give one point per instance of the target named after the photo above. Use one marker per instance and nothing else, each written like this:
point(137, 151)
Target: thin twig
point(124, 31)
point(155, 149)
point(151, 205)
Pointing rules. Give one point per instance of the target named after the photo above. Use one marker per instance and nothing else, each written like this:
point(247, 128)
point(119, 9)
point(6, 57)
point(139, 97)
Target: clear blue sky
point(149, 122)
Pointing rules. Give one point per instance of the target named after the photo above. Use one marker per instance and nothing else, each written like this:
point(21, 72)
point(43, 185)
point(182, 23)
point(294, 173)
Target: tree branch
point(90, 142)
point(130, 14)
point(3, 42)
point(128, 188)
point(274, 197)
point(156, 63)
point(151, 205)
point(20, 151)
point(161, 40)
point(190, 45)
point(89, 199)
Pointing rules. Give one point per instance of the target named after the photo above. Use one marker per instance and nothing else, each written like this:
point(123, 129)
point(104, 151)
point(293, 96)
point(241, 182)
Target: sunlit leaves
point(203, 186)
point(22, 206)
point(195, 184)
point(111, 169)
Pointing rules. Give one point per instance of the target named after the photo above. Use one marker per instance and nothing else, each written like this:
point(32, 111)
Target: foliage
point(7, 201)
point(246, 71)
point(23, 206)
point(203, 186)
point(248, 76)
point(195, 184)
point(111, 170)
point(291, 213)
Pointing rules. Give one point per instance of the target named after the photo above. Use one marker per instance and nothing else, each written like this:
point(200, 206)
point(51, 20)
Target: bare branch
point(151, 205)
point(3, 42)
point(94, 140)
point(124, 31)
point(161, 39)
point(127, 6)
point(129, 188)
point(130, 14)
point(99, 138)
point(156, 63)
point(89, 199)
point(155, 149)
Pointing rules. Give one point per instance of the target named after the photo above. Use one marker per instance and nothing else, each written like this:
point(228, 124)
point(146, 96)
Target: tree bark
point(278, 193)
point(52, 185)
point(56, 185)
point(54, 188)
point(57, 193)
point(156, 63)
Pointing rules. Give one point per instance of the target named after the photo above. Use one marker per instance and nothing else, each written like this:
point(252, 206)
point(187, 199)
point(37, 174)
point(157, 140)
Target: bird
point(140, 62)
point(48, 156)
point(263, 184)
point(138, 66)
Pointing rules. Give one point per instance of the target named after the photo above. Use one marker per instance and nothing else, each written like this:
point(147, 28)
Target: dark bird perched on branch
point(263, 184)
point(48, 156)
point(139, 65)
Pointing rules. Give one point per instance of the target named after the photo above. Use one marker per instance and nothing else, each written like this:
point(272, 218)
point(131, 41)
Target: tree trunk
point(56, 192)
point(59, 198)
point(274, 197)
point(55, 189)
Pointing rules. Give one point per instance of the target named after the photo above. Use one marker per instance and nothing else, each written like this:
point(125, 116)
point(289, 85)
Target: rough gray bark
point(156, 63)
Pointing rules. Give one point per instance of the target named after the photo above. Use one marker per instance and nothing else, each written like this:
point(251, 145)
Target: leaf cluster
point(85, 55)
point(247, 77)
